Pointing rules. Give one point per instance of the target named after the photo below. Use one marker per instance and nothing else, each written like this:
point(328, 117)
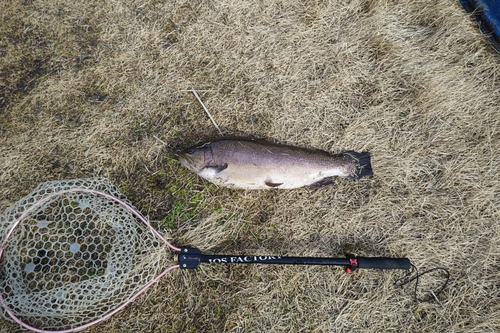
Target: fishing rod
point(190, 258)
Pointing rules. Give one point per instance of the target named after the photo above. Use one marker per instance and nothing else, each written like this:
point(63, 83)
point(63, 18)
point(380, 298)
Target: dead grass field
point(102, 88)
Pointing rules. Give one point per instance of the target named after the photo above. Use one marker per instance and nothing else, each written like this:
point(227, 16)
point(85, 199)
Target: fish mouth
point(188, 163)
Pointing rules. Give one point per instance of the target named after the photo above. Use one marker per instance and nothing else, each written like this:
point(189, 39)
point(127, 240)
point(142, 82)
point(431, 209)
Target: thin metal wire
point(406, 279)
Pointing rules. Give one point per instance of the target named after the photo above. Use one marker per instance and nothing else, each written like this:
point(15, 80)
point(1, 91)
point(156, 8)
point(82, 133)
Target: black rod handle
point(384, 263)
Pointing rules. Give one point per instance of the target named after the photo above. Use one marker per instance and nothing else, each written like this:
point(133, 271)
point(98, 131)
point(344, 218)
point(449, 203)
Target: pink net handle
point(111, 313)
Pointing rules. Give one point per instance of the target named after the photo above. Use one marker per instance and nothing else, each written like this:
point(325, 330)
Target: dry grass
point(103, 88)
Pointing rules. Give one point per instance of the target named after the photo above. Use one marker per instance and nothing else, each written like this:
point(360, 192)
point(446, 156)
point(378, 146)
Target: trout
point(256, 164)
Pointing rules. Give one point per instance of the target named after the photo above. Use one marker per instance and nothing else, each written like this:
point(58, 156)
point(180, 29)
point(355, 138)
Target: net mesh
point(74, 257)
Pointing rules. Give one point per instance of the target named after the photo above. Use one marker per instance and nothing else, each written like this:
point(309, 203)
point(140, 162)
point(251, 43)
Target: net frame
point(14, 216)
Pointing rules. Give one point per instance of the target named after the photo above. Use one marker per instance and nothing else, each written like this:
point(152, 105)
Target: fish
point(245, 163)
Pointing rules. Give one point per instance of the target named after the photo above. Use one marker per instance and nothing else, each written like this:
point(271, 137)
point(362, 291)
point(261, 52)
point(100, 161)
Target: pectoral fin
point(217, 168)
point(328, 181)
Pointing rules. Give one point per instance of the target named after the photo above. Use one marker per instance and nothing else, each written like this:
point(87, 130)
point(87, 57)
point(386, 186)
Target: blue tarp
point(487, 13)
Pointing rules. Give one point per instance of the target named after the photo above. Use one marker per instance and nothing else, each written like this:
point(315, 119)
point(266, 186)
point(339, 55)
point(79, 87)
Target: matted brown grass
point(103, 88)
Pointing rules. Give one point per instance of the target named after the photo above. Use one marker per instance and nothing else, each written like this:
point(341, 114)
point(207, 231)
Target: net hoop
point(40, 202)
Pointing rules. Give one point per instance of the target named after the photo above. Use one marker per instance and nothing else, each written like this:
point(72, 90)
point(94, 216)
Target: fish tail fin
point(363, 164)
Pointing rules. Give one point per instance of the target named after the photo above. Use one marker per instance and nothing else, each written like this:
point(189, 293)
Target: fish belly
point(265, 178)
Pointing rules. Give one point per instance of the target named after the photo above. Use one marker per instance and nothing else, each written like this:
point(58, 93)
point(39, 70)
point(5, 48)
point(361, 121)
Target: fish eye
point(191, 151)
